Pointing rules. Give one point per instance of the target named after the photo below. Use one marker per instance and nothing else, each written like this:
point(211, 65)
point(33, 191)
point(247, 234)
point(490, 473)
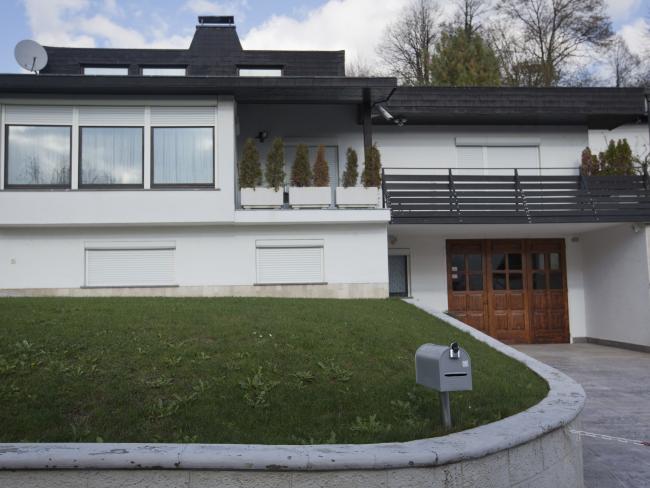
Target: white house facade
point(119, 177)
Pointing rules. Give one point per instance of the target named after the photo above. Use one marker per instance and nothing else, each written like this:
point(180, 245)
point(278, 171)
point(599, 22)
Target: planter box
point(260, 197)
point(357, 196)
point(310, 197)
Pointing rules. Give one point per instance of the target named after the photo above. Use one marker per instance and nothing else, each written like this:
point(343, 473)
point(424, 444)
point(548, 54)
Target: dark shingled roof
point(214, 51)
point(598, 108)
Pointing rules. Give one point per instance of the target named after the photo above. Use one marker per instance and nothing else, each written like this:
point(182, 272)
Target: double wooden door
point(514, 290)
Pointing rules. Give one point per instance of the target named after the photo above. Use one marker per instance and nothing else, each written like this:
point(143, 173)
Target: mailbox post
point(443, 369)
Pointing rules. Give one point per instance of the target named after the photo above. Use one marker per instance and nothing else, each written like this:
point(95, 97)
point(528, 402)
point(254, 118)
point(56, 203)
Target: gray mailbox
point(443, 369)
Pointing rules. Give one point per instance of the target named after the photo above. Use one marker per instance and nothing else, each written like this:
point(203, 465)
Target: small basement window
point(289, 262)
point(163, 72)
point(264, 72)
point(106, 70)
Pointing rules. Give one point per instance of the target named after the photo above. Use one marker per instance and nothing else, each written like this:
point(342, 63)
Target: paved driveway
point(617, 383)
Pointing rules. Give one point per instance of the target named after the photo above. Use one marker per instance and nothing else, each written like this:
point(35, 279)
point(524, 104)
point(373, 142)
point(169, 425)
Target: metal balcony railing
point(488, 196)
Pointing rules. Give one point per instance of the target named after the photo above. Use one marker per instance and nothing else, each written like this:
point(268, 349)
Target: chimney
point(216, 20)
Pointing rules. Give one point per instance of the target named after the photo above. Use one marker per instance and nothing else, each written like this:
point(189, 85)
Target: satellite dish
point(30, 55)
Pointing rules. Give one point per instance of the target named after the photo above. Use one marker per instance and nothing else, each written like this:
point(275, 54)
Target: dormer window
point(260, 71)
point(163, 71)
point(106, 70)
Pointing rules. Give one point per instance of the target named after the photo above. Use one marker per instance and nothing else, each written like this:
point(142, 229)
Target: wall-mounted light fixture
point(262, 136)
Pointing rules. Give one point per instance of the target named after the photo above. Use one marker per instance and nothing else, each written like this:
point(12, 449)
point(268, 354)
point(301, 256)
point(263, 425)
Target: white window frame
point(164, 71)
point(106, 70)
point(260, 71)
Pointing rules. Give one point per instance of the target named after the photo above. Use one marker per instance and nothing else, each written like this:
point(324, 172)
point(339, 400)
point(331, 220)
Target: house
point(119, 178)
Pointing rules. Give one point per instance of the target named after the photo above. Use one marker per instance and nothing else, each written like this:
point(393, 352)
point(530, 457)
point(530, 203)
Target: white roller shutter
point(470, 158)
point(130, 267)
point(289, 264)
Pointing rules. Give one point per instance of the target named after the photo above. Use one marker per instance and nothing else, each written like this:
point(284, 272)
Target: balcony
point(466, 196)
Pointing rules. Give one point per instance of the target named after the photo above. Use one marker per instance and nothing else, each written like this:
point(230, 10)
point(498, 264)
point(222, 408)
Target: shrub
point(351, 172)
point(250, 171)
point(301, 170)
point(321, 168)
point(275, 165)
point(616, 160)
point(371, 176)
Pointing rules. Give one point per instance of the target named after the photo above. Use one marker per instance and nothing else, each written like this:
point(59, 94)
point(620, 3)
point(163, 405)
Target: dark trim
point(9, 186)
point(606, 342)
point(154, 185)
point(107, 186)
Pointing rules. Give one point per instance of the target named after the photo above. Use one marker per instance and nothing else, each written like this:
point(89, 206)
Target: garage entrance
point(512, 289)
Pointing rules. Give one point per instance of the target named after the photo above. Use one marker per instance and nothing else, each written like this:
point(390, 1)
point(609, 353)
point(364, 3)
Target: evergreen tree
point(371, 175)
point(351, 172)
point(301, 170)
point(275, 164)
point(321, 168)
point(250, 171)
point(463, 58)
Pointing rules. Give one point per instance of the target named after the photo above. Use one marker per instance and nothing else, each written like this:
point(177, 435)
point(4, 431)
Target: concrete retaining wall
point(534, 448)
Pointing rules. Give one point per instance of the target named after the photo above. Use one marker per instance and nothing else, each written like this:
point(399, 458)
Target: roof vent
point(208, 20)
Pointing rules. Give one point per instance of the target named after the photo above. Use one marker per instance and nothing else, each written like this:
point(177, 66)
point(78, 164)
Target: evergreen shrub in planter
point(309, 190)
point(253, 194)
point(350, 195)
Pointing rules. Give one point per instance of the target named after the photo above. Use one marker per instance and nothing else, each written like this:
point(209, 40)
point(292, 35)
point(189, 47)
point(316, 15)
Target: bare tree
point(360, 68)
point(408, 43)
point(624, 65)
point(468, 14)
point(552, 32)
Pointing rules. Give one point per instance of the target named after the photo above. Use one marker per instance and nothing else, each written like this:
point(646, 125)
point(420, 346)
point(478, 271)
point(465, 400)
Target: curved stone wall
point(532, 448)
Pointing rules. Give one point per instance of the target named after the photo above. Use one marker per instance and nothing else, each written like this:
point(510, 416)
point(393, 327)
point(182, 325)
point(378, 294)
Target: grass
point(235, 371)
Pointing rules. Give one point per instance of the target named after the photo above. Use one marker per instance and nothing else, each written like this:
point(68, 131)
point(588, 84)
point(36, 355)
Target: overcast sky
point(353, 25)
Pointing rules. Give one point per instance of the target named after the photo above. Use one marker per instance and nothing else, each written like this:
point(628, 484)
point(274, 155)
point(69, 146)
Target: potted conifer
point(253, 195)
point(351, 195)
point(309, 190)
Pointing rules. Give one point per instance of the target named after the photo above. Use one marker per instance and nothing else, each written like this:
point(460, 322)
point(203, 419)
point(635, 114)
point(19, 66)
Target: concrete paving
point(617, 383)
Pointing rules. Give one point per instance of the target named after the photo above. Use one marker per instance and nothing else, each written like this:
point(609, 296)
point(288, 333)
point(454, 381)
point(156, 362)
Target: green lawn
point(235, 370)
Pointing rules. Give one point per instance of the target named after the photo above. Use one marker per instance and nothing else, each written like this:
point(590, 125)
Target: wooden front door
point(466, 282)
point(514, 289)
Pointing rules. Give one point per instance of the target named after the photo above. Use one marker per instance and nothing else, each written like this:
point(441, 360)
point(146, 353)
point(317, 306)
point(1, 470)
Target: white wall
point(435, 146)
point(84, 206)
point(616, 279)
point(205, 256)
point(636, 135)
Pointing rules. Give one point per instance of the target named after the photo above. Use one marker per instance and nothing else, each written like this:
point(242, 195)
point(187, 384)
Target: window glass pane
point(475, 262)
point(163, 71)
point(516, 281)
point(111, 71)
point(555, 281)
point(498, 261)
point(538, 260)
point(476, 282)
point(457, 262)
point(498, 281)
point(111, 156)
point(554, 260)
point(182, 155)
point(38, 155)
point(458, 282)
point(539, 281)
point(260, 72)
point(514, 261)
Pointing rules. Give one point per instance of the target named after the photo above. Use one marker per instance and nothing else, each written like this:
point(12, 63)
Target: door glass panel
point(457, 262)
point(458, 282)
point(475, 262)
point(538, 260)
point(498, 281)
point(539, 281)
point(555, 281)
point(516, 281)
point(475, 282)
point(514, 261)
point(397, 277)
point(554, 260)
point(498, 261)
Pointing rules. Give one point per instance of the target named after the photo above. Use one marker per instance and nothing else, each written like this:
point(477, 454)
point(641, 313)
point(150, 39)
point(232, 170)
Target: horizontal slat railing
point(514, 196)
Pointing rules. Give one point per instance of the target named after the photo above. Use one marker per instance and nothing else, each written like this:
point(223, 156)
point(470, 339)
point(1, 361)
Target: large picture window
point(183, 156)
point(111, 156)
point(38, 156)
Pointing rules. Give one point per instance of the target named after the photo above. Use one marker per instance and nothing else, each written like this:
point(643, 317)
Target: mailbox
point(443, 368)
